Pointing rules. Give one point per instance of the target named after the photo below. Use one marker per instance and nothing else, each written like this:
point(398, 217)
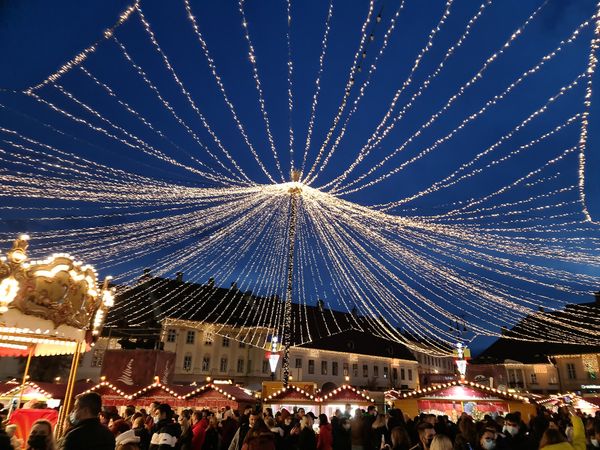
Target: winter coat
point(325, 439)
point(198, 435)
point(228, 428)
point(165, 436)
point(211, 439)
point(307, 439)
point(89, 434)
point(185, 440)
point(144, 436)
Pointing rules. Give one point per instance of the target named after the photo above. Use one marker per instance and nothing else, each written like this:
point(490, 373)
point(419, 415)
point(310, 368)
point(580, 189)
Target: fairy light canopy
point(439, 162)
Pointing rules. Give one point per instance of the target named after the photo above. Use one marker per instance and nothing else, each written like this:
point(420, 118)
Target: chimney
point(179, 277)
point(211, 282)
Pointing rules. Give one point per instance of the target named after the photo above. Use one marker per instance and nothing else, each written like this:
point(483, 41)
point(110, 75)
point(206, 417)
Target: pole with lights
point(295, 192)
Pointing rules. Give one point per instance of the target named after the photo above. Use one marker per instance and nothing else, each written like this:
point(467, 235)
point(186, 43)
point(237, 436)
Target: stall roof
point(230, 391)
point(104, 387)
point(291, 393)
point(449, 390)
point(346, 393)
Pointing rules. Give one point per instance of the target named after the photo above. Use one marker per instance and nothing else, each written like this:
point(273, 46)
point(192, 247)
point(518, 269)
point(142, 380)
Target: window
point(354, 370)
point(223, 366)
point(225, 341)
point(97, 358)
point(375, 371)
point(240, 366)
point(346, 369)
point(265, 367)
point(323, 367)
point(394, 373)
point(187, 362)
point(311, 366)
point(571, 374)
point(208, 338)
point(171, 335)
point(249, 366)
point(409, 374)
point(206, 364)
point(533, 378)
point(402, 374)
point(298, 363)
point(385, 371)
point(191, 337)
point(365, 371)
point(242, 345)
point(334, 368)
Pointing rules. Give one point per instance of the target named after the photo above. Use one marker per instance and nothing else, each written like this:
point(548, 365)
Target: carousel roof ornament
point(49, 305)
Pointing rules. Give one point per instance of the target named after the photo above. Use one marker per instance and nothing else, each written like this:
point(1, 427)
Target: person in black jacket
point(166, 431)
point(87, 433)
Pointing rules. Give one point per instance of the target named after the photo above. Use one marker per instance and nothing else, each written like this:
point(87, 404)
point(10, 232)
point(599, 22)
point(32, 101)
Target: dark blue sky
point(37, 37)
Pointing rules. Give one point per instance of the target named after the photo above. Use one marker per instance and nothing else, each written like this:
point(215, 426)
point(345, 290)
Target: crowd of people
point(91, 427)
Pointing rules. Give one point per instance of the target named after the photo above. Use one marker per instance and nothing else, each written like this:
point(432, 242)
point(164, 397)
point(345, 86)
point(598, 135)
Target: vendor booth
point(586, 406)
point(162, 393)
point(216, 396)
point(452, 399)
point(342, 396)
point(293, 397)
point(113, 393)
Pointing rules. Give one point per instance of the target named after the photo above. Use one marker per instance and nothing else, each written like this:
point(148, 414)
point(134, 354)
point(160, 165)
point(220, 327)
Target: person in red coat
point(325, 439)
point(198, 431)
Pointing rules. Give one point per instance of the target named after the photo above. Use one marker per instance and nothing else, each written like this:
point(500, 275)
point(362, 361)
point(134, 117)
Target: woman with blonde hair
point(441, 442)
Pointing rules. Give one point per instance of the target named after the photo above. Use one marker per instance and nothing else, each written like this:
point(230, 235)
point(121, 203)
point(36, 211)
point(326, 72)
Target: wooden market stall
point(216, 396)
point(174, 395)
point(452, 399)
point(113, 393)
point(342, 396)
point(291, 397)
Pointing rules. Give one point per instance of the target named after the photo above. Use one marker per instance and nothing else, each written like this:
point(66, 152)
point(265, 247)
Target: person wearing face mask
point(426, 433)
point(487, 439)
point(514, 435)
point(40, 436)
point(87, 432)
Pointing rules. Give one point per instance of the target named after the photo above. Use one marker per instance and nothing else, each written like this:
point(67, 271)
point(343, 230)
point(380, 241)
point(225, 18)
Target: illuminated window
point(334, 368)
point(223, 365)
point(571, 371)
point(323, 367)
point(206, 364)
point(240, 366)
point(225, 341)
point(311, 366)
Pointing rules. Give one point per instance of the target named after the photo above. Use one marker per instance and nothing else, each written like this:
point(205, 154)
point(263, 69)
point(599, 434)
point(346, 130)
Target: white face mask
point(346, 426)
point(488, 445)
point(595, 443)
point(511, 430)
point(73, 418)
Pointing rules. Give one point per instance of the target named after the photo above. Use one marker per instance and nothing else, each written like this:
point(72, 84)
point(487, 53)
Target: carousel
point(49, 307)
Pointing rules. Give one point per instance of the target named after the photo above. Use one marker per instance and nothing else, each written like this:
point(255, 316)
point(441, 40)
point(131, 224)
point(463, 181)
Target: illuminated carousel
point(49, 307)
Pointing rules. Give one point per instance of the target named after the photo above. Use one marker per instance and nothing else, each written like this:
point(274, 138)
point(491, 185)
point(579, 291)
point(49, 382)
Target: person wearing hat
point(166, 432)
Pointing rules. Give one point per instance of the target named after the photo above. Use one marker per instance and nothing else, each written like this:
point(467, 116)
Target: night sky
point(37, 37)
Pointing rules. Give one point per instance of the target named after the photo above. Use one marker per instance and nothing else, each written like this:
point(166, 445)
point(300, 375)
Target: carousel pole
point(67, 402)
point(287, 319)
point(25, 376)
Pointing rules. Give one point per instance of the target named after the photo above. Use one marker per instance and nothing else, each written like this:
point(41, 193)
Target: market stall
point(452, 399)
point(342, 396)
point(113, 393)
point(292, 397)
point(162, 393)
point(215, 396)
